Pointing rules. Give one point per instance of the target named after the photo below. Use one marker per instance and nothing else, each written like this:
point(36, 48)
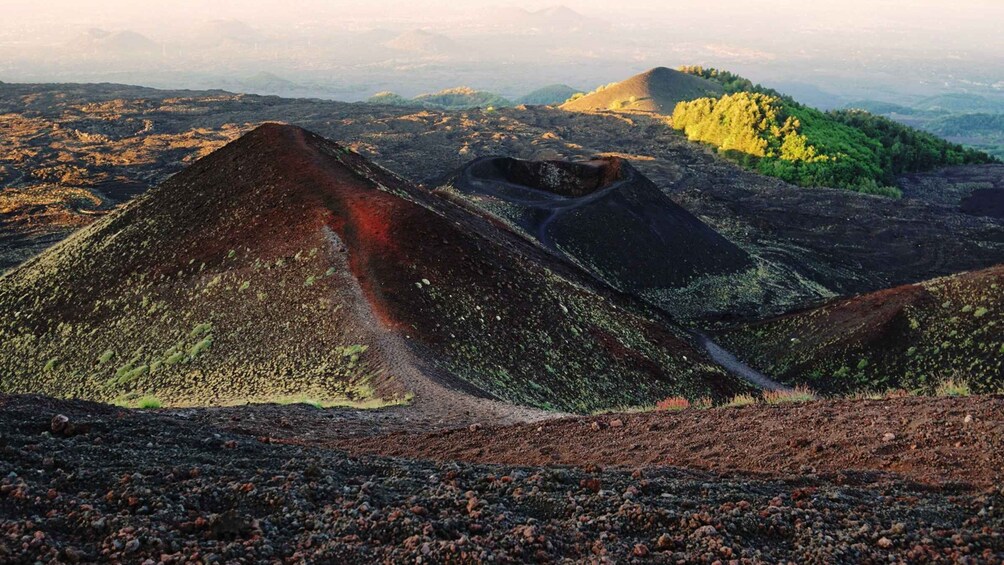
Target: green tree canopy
point(775, 135)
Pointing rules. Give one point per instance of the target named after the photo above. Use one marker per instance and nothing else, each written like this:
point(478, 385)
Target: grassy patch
point(952, 388)
point(797, 394)
point(740, 400)
point(148, 403)
point(200, 347)
point(135, 400)
point(201, 330)
point(703, 403)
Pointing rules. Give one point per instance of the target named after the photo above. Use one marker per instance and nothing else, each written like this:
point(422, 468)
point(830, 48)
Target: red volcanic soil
point(928, 440)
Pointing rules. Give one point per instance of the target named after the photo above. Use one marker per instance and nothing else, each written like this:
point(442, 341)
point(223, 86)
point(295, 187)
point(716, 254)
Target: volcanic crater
point(603, 215)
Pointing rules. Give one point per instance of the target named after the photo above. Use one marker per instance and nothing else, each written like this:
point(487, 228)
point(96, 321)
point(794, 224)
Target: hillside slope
point(658, 90)
point(914, 336)
point(284, 264)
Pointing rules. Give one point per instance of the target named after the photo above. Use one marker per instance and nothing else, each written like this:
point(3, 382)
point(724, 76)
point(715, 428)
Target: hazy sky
point(924, 44)
point(954, 17)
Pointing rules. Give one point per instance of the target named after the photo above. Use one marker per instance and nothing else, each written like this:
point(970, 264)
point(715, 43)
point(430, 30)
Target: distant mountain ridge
point(970, 119)
point(458, 98)
point(550, 95)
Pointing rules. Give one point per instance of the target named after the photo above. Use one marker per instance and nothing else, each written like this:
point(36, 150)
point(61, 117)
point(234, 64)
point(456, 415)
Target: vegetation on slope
point(268, 270)
point(777, 136)
point(916, 337)
point(730, 82)
point(974, 121)
point(969, 124)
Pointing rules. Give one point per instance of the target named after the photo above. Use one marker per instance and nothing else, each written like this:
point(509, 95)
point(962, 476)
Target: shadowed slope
point(913, 336)
point(658, 90)
point(276, 266)
point(605, 216)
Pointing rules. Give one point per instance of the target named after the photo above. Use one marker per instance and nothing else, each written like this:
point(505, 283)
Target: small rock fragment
point(705, 531)
point(59, 423)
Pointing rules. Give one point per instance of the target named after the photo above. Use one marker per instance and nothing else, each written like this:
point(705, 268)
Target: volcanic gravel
point(929, 440)
point(85, 482)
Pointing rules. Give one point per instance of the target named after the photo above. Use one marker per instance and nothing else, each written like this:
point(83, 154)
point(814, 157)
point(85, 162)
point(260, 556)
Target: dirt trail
point(732, 364)
point(435, 403)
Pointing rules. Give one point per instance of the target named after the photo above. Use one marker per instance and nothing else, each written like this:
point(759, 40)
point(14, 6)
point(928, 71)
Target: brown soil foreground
point(90, 483)
point(928, 440)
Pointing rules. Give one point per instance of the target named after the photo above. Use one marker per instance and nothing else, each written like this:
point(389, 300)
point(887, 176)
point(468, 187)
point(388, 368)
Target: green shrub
point(201, 330)
point(175, 358)
point(148, 402)
point(132, 374)
point(106, 357)
point(200, 347)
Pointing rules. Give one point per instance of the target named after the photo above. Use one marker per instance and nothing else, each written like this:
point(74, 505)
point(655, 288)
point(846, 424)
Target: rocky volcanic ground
point(894, 480)
point(71, 152)
point(935, 441)
point(86, 482)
